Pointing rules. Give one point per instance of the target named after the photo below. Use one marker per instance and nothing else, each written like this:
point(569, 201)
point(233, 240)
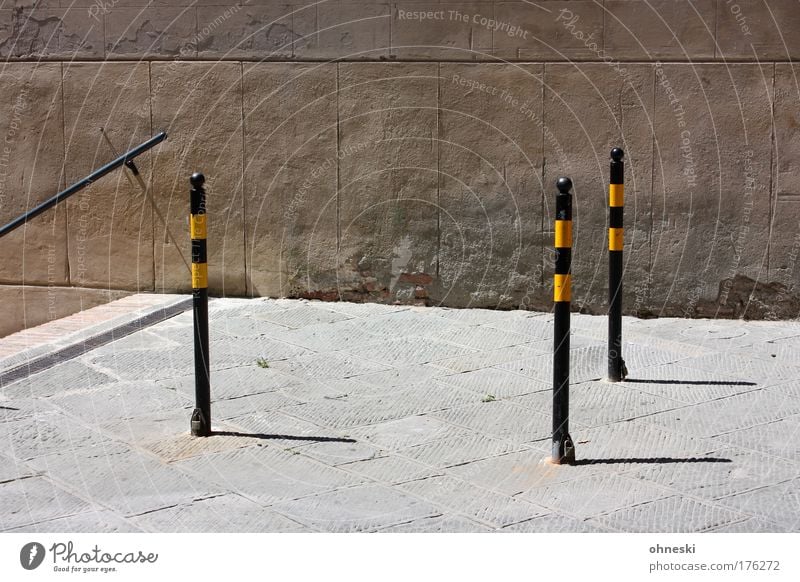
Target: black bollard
point(616, 199)
point(563, 448)
point(201, 416)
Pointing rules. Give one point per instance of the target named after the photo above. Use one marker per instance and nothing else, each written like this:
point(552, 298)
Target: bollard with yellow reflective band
point(616, 202)
point(563, 447)
point(201, 416)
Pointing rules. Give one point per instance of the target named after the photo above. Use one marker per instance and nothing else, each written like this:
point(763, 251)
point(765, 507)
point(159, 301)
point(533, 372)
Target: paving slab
point(229, 513)
point(344, 417)
point(672, 514)
point(357, 509)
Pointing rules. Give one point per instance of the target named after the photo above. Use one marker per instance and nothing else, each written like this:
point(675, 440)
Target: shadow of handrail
point(650, 460)
point(282, 437)
point(693, 382)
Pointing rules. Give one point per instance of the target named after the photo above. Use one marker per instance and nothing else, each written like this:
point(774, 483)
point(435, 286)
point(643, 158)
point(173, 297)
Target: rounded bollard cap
point(564, 185)
point(197, 180)
point(617, 154)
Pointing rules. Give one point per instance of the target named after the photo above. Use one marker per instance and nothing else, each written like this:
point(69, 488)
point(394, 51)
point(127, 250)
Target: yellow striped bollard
point(563, 447)
point(201, 416)
point(616, 203)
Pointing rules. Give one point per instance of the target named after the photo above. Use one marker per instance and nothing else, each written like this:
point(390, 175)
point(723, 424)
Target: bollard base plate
point(563, 451)
point(199, 425)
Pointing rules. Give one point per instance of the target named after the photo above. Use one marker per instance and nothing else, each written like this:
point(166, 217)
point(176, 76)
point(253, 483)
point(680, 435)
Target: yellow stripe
point(199, 275)
point(562, 288)
point(564, 234)
point(616, 194)
point(615, 239)
point(197, 226)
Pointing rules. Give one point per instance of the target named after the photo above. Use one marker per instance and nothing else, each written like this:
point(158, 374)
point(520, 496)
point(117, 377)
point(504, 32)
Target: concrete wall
point(408, 151)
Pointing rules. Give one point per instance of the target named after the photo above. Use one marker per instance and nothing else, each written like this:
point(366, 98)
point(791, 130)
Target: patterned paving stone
point(119, 401)
point(501, 419)
point(599, 403)
point(373, 408)
point(327, 366)
point(281, 430)
point(128, 365)
point(150, 427)
point(185, 446)
point(403, 375)
point(593, 495)
point(48, 433)
point(729, 414)
point(302, 316)
point(481, 337)
point(405, 351)
point(255, 404)
point(763, 372)
point(553, 523)
point(30, 501)
point(486, 359)
point(536, 327)
point(459, 448)
point(328, 337)
point(11, 468)
point(719, 474)
point(92, 521)
point(778, 503)
point(229, 513)
point(591, 362)
point(20, 408)
point(339, 453)
point(688, 385)
point(439, 524)
point(398, 421)
point(405, 432)
point(620, 446)
point(315, 390)
point(780, 438)
point(268, 475)
point(233, 382)
point(391, 469)
point(517, 472)
point(671, 515)
point(122, 479)
point(478, 316)
point(499, 383)
point(67, 377)
point(363, 310)
point(487, 507)
point(751, 525)
point(357, 509)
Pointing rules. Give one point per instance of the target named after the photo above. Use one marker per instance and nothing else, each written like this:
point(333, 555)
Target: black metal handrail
point(123, 160)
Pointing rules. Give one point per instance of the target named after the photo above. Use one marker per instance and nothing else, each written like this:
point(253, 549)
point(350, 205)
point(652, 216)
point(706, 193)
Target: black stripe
point(615, 216)
point(199, 251)
point(563, 261)
point(617, 172)
point(564, 207)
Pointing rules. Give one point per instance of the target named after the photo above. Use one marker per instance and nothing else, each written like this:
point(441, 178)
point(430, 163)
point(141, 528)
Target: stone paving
point(343, 417)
